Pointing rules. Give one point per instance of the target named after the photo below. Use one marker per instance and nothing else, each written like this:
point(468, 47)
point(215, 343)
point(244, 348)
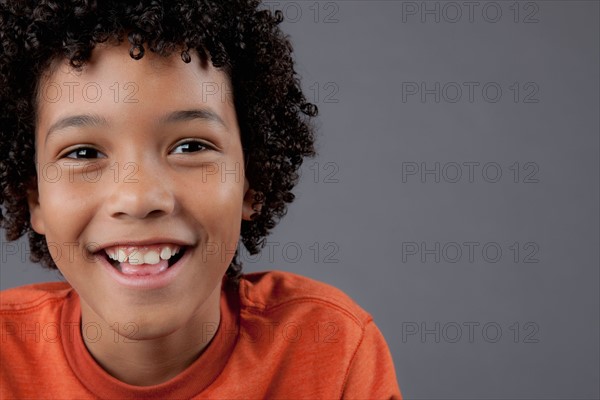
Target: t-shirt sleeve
point(371, 374)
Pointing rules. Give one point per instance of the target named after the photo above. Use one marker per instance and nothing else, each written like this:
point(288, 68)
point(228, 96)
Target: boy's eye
point(190, 146)
point(85, 152)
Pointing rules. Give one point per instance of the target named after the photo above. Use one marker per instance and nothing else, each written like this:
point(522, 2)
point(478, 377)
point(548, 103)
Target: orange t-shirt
point(280, 336)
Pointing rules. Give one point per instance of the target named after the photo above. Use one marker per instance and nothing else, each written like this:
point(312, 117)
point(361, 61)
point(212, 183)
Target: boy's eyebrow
point(96, 120)
point(189, 115)
point(76, 120)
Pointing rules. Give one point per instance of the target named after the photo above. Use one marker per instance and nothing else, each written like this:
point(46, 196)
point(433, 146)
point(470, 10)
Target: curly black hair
point(237, 36)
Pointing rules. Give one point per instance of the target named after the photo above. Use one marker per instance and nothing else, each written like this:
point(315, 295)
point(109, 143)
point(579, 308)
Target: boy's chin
point(153, 326)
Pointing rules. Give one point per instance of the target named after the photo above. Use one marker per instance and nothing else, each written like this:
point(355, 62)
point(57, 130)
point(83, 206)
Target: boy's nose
point(141, 194)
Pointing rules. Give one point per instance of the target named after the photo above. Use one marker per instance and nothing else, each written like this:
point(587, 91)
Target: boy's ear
point(247, 210)
point(35, 212)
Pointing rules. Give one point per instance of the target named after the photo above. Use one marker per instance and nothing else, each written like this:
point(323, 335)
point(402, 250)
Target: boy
point(140, 141)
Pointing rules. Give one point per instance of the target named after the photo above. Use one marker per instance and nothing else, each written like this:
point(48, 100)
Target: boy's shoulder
point(274, 291)
point(29, 297)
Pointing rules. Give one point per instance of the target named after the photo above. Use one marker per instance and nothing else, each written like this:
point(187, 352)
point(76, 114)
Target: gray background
point(527, 318)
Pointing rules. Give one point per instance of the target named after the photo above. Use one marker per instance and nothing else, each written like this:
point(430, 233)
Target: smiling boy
point(140, 141)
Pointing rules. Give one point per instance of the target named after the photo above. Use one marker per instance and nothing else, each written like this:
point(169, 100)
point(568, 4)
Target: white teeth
point(151, 257)
point(165, 253)
point(139, 256)
point(122, 256)
point(111, 254)
point(135, 258)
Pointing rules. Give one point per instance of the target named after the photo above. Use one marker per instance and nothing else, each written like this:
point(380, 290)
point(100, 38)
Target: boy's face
point(144, 151)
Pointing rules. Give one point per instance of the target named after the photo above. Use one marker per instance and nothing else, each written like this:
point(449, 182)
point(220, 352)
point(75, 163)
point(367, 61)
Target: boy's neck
point(153, 361)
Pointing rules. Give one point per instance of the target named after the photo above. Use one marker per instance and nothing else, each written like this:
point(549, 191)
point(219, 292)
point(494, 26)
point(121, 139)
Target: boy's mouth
point(143, 260)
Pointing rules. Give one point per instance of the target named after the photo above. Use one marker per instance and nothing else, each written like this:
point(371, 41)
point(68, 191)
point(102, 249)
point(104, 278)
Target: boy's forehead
point(112, 82)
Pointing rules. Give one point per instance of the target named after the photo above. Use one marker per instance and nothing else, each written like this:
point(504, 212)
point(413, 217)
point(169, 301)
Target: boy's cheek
point(57, 211)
